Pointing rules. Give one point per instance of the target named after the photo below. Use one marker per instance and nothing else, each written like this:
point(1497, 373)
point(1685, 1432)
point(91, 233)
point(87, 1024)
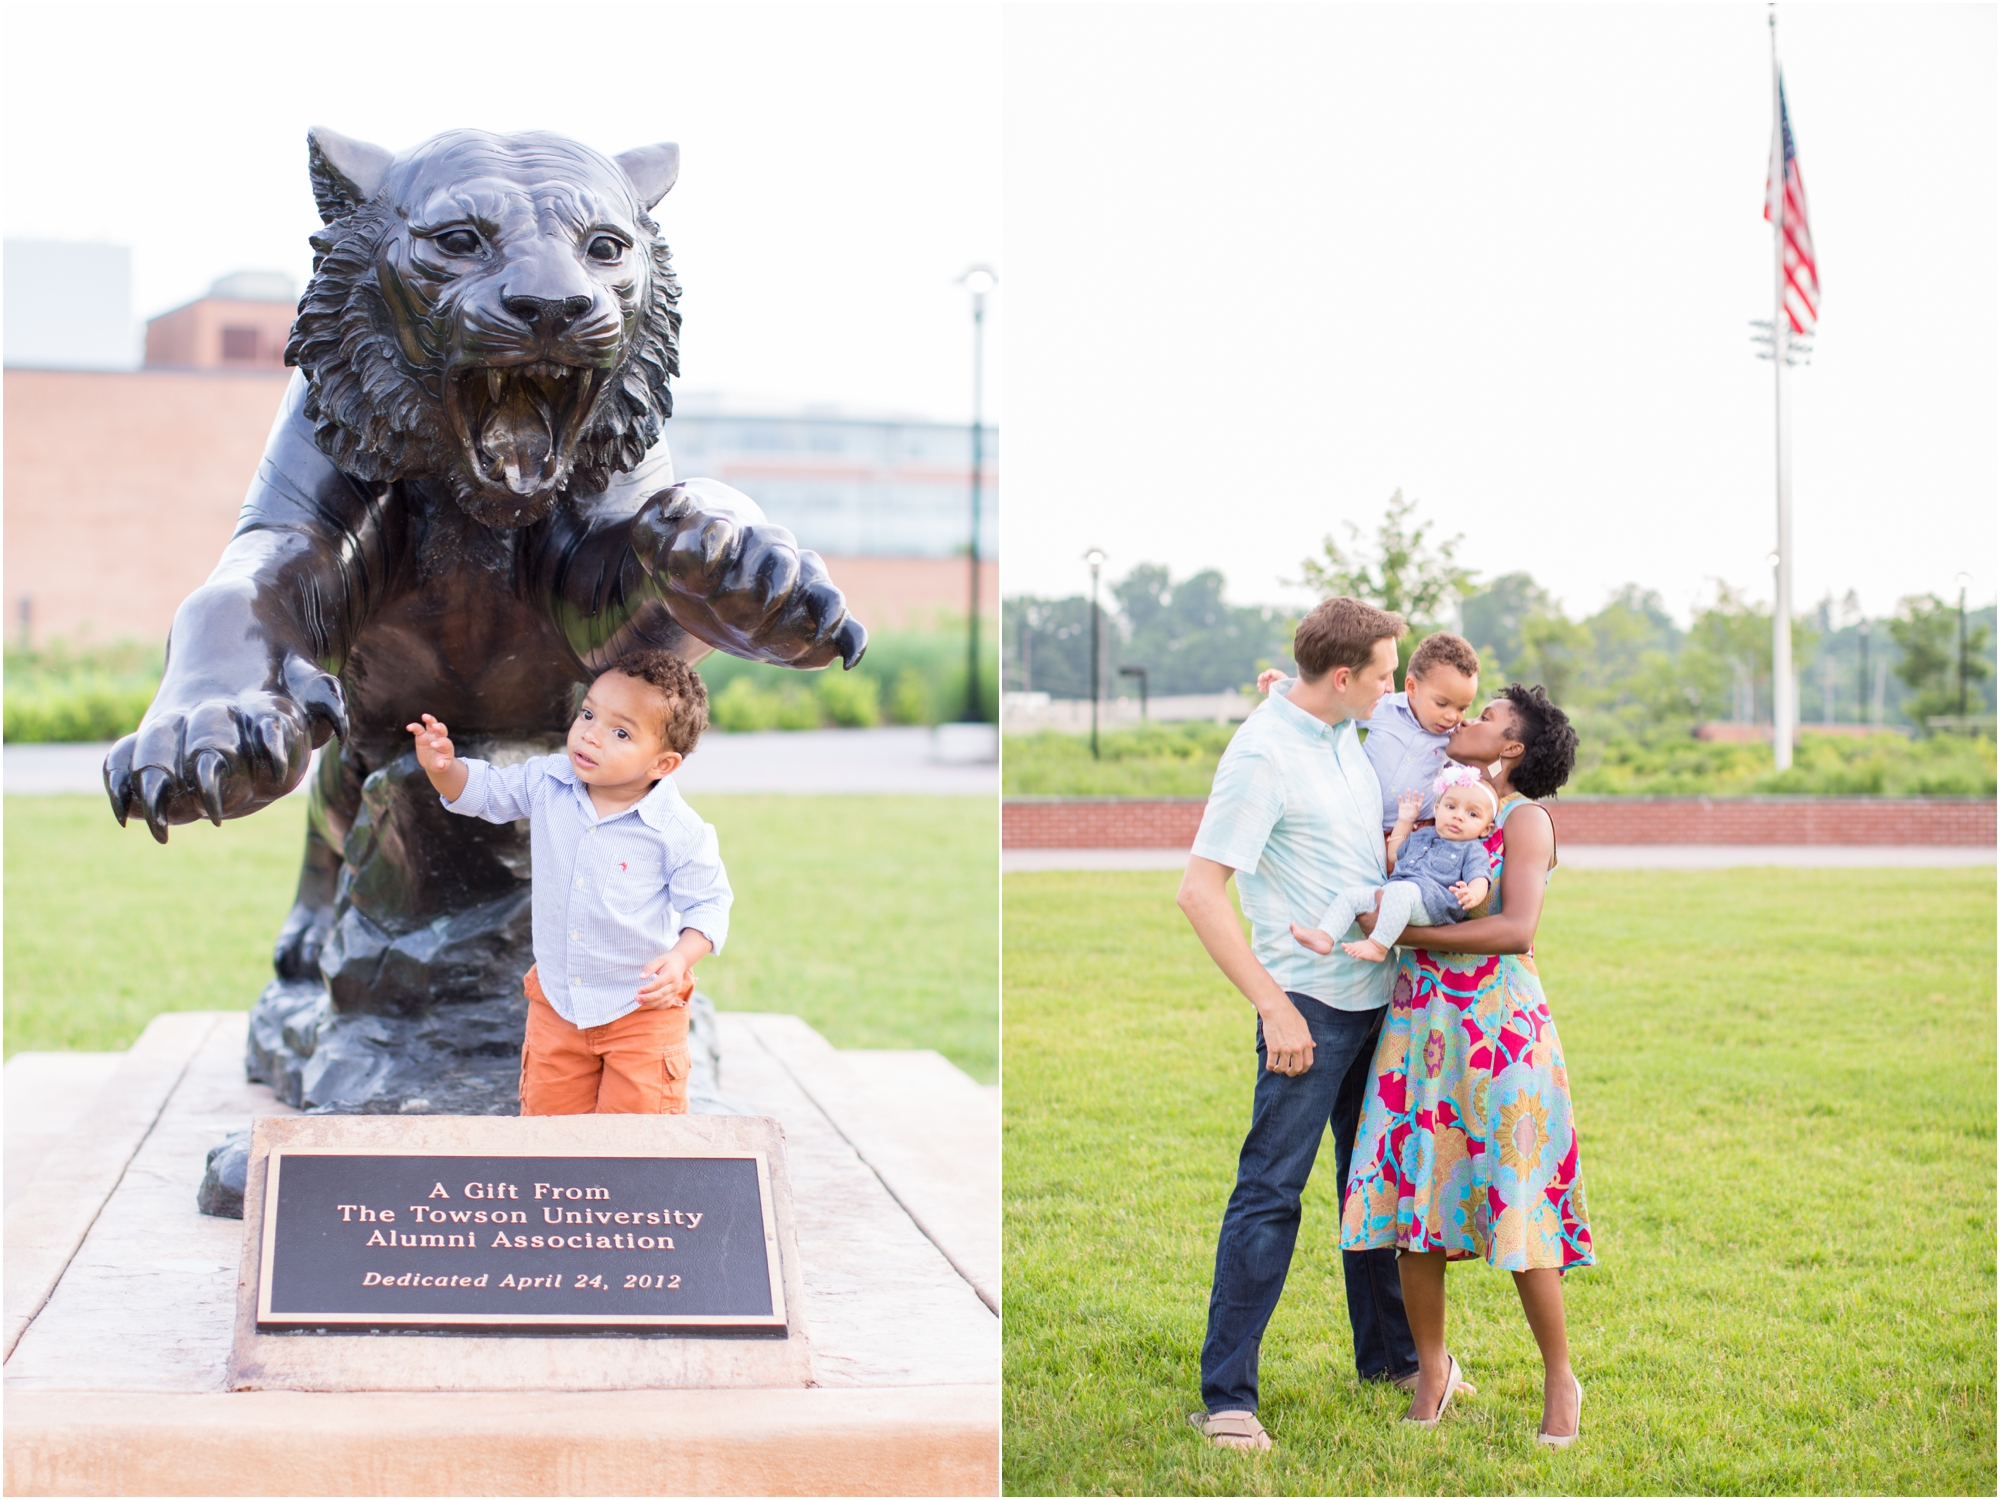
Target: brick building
point(122, 486)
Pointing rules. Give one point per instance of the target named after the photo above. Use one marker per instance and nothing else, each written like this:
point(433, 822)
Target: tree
point(1403, 570)
point(1925, 630)
point(1726, 666)
point(1045, 644)
point(1188, 638)
point(1495, 615)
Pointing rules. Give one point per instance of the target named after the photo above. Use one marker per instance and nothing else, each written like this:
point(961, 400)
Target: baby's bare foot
point(1313, 938)
point(1367, 950)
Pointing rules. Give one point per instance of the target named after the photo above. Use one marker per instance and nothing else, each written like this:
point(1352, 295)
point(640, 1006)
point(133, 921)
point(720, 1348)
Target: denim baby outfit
point(1418, 893)
point(1434, 865)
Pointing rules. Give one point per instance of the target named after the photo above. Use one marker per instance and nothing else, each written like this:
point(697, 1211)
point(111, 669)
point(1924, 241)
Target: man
point(1296, 813)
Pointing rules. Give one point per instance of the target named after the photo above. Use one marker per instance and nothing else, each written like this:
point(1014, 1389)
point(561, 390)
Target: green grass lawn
point(1784, 1086)
point(872, 917)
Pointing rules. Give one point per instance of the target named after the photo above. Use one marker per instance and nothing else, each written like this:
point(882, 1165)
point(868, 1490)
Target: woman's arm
point(1531, 845)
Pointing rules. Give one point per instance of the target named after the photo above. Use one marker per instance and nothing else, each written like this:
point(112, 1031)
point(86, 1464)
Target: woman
point(1467, 1145)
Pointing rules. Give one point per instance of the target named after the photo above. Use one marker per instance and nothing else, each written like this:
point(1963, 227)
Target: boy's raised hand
point(440, 762)
point(1266, 677)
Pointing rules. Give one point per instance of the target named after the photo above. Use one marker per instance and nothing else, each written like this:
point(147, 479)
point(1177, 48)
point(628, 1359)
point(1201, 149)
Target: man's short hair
point(1444, 649)
point(1342, 633)
point(684, 714)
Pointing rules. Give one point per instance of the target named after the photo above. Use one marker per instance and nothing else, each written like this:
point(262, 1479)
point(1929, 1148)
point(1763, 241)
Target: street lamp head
point(979, 280)
point(1773, 559)
point(1964, 582)
point(1095, 557)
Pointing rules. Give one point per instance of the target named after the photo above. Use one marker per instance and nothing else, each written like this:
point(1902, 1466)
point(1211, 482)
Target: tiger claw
point(209, 771)
point(153, 785)
point(118, 787)
point(852, 642)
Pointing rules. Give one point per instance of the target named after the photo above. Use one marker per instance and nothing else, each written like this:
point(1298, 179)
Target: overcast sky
point(839, 170)
point(1264, 265)
point(1267, 265)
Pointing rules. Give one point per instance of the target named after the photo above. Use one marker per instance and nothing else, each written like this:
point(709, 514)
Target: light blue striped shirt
point(610, 894)
point(1295, 812)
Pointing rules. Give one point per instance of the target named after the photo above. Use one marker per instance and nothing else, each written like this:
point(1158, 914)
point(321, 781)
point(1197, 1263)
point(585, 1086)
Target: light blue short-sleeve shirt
point(1296, 812)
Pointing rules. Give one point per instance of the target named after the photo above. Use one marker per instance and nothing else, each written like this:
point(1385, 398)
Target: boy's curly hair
point(685, 711)
point(1547, 740)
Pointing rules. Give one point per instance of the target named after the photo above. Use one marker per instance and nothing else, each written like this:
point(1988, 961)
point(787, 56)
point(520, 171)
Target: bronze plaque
point(358, 1238)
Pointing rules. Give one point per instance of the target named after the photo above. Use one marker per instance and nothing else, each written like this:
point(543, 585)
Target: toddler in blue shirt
point(1438, 873)
point(623, 869)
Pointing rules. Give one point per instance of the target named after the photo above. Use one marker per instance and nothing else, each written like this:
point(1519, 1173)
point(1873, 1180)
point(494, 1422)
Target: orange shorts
point(635, 1065)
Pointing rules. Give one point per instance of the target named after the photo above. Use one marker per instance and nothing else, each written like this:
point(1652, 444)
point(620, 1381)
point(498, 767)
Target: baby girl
point(1440, 873)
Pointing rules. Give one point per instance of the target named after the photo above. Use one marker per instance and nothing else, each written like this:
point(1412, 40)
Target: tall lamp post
point(1095, 557)
point(1964, 581)
point(979, 281)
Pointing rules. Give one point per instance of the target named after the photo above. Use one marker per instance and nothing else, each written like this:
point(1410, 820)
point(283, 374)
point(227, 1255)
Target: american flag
point(1801, 269)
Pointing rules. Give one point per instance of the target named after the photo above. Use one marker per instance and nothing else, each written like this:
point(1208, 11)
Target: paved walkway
point(1579, 857)
point(946, 761)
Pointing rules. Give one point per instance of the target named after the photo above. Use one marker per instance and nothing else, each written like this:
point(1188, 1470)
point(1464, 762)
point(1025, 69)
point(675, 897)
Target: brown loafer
point(1232, 1429)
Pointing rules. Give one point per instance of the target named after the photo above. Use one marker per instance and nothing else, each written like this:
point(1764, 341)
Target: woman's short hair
point(1548, 743)
point(1342, 633)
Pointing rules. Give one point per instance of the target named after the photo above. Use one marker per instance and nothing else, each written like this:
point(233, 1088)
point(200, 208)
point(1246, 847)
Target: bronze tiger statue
point(465, 507)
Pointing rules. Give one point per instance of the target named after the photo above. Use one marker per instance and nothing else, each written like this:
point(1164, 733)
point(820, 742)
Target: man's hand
point(1288, 1041)
point(440, 762)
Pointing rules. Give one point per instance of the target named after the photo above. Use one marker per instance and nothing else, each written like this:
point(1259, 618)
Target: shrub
point(64, 694)
point(743, 707)
point(910, 698)
point(798, 707)
point(850, 699)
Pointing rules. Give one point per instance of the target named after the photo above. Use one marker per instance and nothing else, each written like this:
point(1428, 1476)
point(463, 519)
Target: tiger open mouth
point(518, 424)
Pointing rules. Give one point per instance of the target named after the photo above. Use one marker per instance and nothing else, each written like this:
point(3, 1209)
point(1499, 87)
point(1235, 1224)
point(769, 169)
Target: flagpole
point(1784, 694)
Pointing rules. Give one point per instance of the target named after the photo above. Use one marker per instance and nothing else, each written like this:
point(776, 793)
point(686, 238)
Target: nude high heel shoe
point(1549, 1440)
point(1452, 1384)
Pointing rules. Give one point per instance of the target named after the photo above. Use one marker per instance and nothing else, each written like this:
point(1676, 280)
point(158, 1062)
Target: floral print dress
point(1468, 1140)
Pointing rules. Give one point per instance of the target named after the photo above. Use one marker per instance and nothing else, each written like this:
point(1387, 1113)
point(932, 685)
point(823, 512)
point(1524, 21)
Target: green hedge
point(66, 695)
point(1178, 760)
point(906, 677)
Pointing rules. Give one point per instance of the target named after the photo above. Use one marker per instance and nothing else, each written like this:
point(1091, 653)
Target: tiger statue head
point(492, 312)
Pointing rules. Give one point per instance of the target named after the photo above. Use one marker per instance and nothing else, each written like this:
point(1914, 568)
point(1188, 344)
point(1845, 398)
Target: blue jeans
point(1261, 1224)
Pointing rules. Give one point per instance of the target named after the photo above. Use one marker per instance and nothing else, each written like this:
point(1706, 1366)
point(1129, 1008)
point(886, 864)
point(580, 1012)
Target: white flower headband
point(1457, 776)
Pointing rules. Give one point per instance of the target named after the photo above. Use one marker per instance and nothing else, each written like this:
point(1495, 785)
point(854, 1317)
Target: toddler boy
point(620, 863)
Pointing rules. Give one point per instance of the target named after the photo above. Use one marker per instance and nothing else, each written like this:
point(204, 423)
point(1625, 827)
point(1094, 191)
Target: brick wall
point(1170, 823)
point(122, 489)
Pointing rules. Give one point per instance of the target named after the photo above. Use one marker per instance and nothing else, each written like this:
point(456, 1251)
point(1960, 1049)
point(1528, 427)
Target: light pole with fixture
point(979, 281)
point(1095, 557)
point(1964, 582)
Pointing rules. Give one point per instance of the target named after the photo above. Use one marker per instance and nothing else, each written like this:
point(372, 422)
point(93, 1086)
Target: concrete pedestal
point(121, 1299)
